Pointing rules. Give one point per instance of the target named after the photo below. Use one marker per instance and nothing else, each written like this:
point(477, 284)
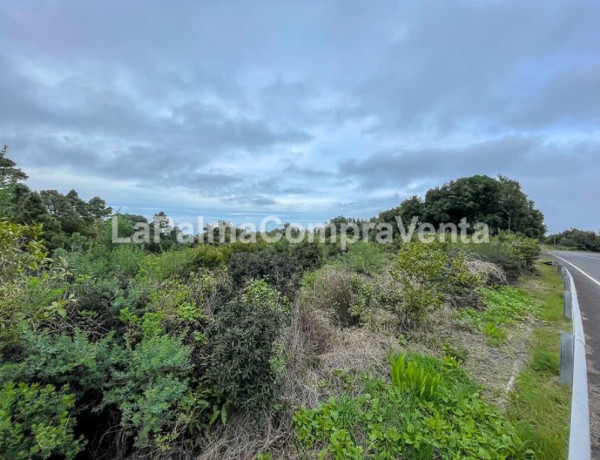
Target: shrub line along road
point(585, 270)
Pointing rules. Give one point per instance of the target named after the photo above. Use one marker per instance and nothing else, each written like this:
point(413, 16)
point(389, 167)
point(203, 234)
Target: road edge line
point(576, 268)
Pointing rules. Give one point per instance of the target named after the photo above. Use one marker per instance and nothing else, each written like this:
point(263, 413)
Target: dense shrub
point(29, 295)
point(101, 262)
point(275, 267)
point(209, 256)
point(144, 349)
point(242, 358)
point(364, 258)
point(515, 255)
point(281, 266)
point(21, 251)
point(309, 256)
point(58, 360)
point(35, 422)
point(174, 263)
point(429, 275)
point(502, 256)
point(147, 383)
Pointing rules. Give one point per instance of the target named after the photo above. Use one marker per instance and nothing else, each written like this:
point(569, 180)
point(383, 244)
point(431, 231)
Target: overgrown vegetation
point(263, 350)
point(430, 410)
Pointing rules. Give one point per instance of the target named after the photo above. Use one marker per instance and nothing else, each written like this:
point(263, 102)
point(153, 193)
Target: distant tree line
point(500, 203)
point(585, 240)
point(66, 218)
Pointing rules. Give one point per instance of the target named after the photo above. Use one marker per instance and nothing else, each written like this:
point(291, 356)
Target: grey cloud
point(333, 106)
point(399, 167)
point(256, 200)
point(560, 177)
point(490, 63)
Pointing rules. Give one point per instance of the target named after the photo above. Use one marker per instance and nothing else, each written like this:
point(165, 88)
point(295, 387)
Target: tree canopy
point(62, 216)
point(500, 203)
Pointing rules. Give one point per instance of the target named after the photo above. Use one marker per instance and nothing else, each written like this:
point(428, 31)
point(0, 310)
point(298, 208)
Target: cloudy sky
point(308, 110)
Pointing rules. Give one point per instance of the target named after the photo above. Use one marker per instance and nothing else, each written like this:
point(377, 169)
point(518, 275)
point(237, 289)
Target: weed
point(495, 335)
point(412, 377)
point(459, 354)
point(503, 307)
point(402, 421)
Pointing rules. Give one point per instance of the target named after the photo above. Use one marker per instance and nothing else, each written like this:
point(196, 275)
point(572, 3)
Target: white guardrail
point(574, 372)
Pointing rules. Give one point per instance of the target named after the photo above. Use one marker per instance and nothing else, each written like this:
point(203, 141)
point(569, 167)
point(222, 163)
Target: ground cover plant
point(430, 409)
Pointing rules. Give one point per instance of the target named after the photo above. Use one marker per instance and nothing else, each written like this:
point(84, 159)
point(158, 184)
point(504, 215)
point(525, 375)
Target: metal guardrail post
point(567, 347)
point(568, 298)
point(566, 280)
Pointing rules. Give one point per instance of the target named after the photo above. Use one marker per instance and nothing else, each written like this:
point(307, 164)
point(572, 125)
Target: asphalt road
point(585, 269)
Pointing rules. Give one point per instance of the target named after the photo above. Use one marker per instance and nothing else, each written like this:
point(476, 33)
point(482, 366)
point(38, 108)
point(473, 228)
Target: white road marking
point(584, 255)
point(577, 268)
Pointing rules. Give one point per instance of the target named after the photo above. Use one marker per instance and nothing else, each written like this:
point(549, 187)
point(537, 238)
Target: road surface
point(585, 269)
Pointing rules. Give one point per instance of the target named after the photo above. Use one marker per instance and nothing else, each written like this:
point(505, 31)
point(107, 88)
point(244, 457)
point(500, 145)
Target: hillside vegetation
point(265, 350)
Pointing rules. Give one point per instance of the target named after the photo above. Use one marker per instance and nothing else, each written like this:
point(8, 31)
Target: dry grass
point(323, 360)
point(333, 294)
point(491, 274)
point(490, 366)
point(247, 436)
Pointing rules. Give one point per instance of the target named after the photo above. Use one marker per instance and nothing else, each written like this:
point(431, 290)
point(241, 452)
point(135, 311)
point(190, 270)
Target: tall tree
point(500, 203)
point(10, 176)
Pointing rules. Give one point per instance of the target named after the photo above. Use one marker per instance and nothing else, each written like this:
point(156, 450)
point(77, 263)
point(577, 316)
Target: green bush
point(280, 265)
point(502, 256)
point(514, 254)
point(21, 250)
point(147, 383)
point(209, 256)
point(241, 364)
point(59, 360)
point(527, 248)
point(309, 256)
point(175, 263)
point(276, 267)
point(430, 275)
point(101, 262)
point(35, 422)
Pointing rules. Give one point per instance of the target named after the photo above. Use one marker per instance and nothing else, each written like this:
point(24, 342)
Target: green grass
point(540, 406)
point(503, 308)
